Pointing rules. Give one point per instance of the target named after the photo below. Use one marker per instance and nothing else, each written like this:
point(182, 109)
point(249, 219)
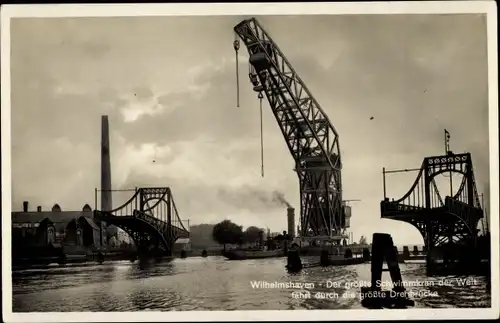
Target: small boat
point(239, 254)
point(341, 261)
point(336, 261)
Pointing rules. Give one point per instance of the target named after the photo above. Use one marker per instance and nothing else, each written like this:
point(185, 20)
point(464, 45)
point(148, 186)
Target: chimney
point(25, 206)
point(106, 203)
point(39, 209)
point(291, 222)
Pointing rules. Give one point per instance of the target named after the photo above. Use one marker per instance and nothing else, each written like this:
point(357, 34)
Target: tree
point(253, 234)
point(227, 232)
point(362, 240)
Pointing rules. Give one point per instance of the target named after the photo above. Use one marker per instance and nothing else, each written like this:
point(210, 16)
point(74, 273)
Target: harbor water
point(215, 283)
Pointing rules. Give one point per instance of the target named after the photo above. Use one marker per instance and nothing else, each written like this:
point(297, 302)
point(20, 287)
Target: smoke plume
point(280, 198)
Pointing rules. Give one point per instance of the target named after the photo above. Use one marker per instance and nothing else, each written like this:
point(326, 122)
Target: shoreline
point(20, 264)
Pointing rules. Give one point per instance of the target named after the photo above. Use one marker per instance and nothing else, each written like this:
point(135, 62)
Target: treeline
point(227, 232)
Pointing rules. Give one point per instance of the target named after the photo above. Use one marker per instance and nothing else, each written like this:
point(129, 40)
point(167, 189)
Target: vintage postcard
point(215, 162)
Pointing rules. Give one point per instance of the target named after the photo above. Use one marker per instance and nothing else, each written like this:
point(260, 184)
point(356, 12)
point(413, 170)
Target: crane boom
point(311, 138)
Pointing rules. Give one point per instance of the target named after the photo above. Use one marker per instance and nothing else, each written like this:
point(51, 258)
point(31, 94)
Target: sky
point(168, 85)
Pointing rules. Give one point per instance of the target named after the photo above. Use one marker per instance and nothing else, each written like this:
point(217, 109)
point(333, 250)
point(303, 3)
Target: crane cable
point(260, 96)
point(236, 45)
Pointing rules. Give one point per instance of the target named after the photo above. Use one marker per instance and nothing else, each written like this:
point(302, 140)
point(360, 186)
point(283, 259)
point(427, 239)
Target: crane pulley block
point(236, 45)
point(260, 61)
point(253, 79)
point(259, 88)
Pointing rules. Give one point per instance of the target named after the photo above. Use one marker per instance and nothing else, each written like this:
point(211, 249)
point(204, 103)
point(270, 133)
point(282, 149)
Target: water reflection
point(212, 283)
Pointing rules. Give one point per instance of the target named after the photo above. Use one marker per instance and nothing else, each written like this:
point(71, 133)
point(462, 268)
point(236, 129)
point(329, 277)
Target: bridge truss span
point(311, 138)
point(151, 219)
point(440, 220)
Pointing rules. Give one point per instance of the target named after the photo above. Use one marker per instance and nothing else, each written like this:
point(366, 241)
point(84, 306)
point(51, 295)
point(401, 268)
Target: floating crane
point(311, 138)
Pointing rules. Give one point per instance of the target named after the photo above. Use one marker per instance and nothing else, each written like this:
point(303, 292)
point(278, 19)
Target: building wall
point(27, 240)
point(97, 237)
point(26, 223)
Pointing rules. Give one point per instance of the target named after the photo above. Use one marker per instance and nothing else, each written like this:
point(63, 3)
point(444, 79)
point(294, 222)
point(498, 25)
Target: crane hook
point(260, 96)
point(236, 45)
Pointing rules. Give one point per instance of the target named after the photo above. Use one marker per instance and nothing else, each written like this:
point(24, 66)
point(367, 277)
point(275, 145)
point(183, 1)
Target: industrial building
point(55, 227)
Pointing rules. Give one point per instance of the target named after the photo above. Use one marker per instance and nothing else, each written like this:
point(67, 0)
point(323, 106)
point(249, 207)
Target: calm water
point(214, 283)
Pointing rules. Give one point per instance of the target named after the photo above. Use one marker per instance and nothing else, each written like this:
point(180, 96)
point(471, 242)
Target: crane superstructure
point(311, 138)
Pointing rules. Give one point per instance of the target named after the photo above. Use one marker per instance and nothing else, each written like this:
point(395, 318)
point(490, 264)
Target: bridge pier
point(406, 252)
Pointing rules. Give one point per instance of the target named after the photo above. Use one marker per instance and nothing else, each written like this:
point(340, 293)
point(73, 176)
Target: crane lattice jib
point(309, 134)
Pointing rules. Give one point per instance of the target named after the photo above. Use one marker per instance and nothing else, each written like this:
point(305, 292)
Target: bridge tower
point(311, 138)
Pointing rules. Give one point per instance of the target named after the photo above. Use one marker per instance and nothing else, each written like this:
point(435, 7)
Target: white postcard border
point(250, 9)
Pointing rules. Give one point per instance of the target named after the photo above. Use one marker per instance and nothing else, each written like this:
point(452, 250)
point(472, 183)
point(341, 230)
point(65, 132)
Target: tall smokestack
point(106, 202)
point(25, 206)
point(291, 222)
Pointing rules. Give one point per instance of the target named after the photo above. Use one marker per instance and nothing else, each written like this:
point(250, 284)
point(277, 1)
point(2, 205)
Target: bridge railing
point(388, 207)
point(413, 199)
point(425, 193)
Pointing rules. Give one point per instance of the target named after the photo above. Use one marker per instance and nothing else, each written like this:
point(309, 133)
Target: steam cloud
point(280, 198)
point(252, 198)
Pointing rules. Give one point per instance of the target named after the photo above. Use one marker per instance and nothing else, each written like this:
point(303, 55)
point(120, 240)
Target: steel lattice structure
point(453, 219)
point(309, 134)
point(151, 219)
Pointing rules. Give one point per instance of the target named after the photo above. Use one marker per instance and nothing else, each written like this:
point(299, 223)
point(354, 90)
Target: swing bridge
point(150, 218)
point(441, 220)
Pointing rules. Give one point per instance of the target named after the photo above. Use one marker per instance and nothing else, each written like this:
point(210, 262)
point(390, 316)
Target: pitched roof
point(62, 217)
point(91, 223)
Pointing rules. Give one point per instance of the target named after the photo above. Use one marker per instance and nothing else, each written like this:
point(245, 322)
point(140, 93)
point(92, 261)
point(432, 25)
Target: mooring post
point(406, 252)
point(366, 254)
point(393, 267)
point(377, 259)
point(374, 297)
point(324, 258)
point(294, 263)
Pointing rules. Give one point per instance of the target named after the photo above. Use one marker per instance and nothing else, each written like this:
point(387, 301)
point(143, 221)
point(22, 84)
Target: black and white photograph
point(250, 161)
